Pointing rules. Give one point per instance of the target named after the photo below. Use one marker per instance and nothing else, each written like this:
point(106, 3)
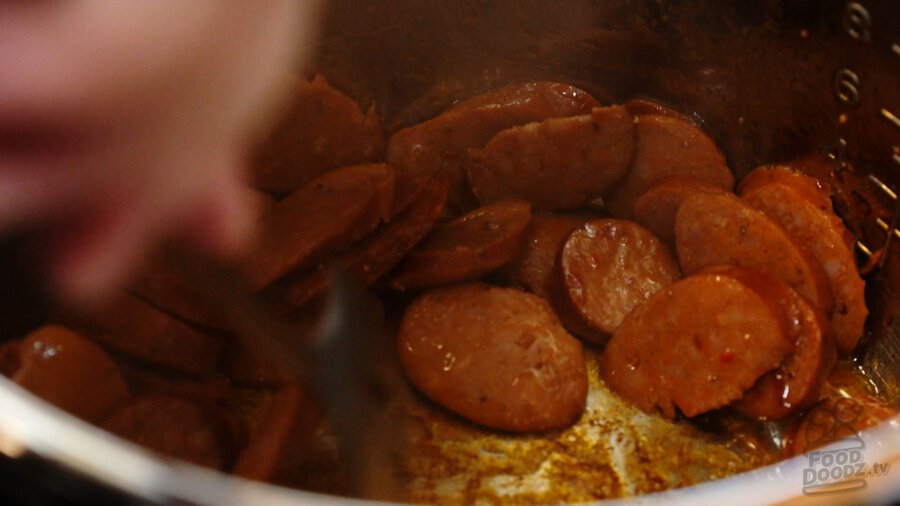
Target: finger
point(221, 221)
point(92, 251)
point(27, 194)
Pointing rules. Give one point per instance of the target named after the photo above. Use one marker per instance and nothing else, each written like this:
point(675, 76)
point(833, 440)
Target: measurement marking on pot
point(846, 86)
point(886, 227)
point(883, 187)
point(890, 117)
point(857, 22)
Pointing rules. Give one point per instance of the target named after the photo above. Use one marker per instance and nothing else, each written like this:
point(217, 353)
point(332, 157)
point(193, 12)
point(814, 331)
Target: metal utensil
point(343, 361)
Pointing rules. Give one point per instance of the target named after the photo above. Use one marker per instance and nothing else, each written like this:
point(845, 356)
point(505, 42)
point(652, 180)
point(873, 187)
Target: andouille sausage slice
point(536, 99)
point(795, 385)
point(724, 230)
point(696, 345)
point(377, 254)
point(537, 261)
point(813, 190)
point(465, 248)
point(821, 234)
point(144, 379)
point(282, 439)
point(199, 433)
point(65, 369)
point(644, 107)
point(666, 147)
point(556, 164)
point(132, 327)
point(656, 207)
point(441, 144)
point(326, 215)
point(497, 356)
point(611, 266)
point(322, 130)
point(160, 283)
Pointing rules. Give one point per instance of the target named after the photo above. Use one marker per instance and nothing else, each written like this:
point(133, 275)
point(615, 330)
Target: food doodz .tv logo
point(843, 467)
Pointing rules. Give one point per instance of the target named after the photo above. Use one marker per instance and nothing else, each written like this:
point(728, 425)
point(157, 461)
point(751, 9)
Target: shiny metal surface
point(770, 79)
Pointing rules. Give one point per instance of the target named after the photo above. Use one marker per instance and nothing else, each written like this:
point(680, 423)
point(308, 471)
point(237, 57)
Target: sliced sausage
point(160, 283)
point(132, 327)
point(854, 198)
point(195, 432)
point(324, 216)
point(813, 190)
point(821, 234)
point(724, 230)
point(497, 356)
point(666, 147)
point(696, 345)
point(67, 370)
point(282, 439)
point(644, 107)
point(442, 143)
point(144, 379)
point(373, 257)
point(556, 164)
point(538, 100)
point(323, 129)
point(465, 248)
point(656, 207)
point(536, 262)
point(162, 287)
point(795, 385)
point(611, 266)
point(383, 250)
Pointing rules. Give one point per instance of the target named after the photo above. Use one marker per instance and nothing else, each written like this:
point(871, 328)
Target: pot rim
point(31, 426)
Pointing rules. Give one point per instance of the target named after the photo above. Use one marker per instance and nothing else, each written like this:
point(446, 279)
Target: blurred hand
point(124, 121)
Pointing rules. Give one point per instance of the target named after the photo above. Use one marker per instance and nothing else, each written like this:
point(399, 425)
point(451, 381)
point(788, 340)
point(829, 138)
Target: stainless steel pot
point(770, 79)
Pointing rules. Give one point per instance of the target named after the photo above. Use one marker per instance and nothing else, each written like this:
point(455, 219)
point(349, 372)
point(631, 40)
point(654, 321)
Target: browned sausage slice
point(697, 345)
point(326, 215)
point(145, 379)
point(820, 233)
point(611, 266)
point(196, 432)
point(159, 282)
point(67, 370)
point(656, 207)
point(537, 100)
point(163, 287)
point(467, 247)
point(724, 230)
point(668, 147)
point(557, 164)
point(282, 440)
point(851, 194)
point(810, 188)
point(377, 254)
point(133, 327)
point(497, 356)
point(441, 144)
point(795, 385)
point(322, 130)
point(536, 264)
point(644, 107)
